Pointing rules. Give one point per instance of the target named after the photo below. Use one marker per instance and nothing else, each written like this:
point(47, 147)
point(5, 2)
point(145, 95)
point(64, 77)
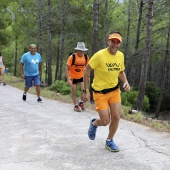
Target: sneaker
point(39, 100)
point(24, 97)
point(111, 146)
point(81, 104)
point(77, 108)
point(92, 130)
point(4, 83)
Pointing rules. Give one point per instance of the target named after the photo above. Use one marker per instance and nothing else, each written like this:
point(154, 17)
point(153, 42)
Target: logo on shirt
point(34, 61)
point(113, 66)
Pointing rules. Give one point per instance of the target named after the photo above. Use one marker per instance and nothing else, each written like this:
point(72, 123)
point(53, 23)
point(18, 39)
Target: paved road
point(51, 136)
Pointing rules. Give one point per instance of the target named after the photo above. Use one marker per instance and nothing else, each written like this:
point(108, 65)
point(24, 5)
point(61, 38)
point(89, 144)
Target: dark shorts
point(29, 80)
point(75, 81)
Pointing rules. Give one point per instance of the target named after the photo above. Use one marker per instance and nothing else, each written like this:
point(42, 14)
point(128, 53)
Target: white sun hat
point(81, 46)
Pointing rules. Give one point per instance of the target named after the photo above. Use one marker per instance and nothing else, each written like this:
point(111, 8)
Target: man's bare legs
point(81, 103)
point(115, 117)
point(82, 87)
point(26, 90)
point(74, 94)
point(2, 74)
point(111, 117)
point(37, 91)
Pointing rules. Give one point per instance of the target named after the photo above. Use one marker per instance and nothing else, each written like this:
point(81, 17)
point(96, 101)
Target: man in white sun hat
point(74, 73)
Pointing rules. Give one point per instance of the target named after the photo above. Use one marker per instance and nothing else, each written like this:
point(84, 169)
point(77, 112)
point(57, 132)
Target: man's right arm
point(21, 70)
point(69, 82)
point(67, 71)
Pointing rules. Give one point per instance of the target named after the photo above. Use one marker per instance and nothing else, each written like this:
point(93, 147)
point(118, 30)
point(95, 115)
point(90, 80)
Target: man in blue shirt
point(31, 70)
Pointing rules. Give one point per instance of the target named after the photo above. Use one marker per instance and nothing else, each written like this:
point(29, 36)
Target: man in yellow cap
point(108, 65)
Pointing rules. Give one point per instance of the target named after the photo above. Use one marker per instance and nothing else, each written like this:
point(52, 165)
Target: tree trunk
point(57, 58)
point(128, 35)
point(105, 24)
point(133, 71)
point(63, 18)
point(163, 76)
point(145, 62)
point(49, 61)
point(16, 53)
point(40, 26)
point(95, 41)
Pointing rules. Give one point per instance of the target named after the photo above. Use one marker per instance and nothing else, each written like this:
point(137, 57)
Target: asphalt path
point(51, 136)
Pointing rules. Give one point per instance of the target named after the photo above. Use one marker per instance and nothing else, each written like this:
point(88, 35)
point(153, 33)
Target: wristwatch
point(85, 90)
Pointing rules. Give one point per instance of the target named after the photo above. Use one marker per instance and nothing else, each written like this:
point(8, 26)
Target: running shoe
point(81, 104)
point(4, 83)
point(39, 100)
point(24, 97)
point(77, 108)
point(111, 146)
point(92, 130)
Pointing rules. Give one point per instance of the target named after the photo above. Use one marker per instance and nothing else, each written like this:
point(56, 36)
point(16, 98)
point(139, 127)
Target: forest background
point(57, 25)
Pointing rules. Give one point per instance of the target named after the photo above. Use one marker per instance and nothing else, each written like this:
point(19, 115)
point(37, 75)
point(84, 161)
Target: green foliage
point(129, 99)
point(152, 93)
point(5, 21)
point(146, 104)
point(60, 86)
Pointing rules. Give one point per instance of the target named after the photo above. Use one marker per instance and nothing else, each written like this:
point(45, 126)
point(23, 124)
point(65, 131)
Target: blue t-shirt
point(31, 63)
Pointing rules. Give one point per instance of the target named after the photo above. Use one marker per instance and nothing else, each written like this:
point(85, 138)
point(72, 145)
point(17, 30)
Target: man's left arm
point(123, 78)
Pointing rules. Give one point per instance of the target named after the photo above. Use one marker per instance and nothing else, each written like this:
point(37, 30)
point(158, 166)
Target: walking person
point(31, 70)
point(74, 73)
point(108, 65)
point(2, 70)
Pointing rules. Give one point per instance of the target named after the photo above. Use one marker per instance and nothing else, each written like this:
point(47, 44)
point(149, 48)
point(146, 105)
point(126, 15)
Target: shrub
point(129, 99)
point(60, 86)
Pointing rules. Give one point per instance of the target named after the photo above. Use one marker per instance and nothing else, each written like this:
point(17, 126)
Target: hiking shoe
point(24, 97)
point(81, 104)
point(111, 146)
point(39, 100)
point(92, 130)
point(77, 108)
point(4, 83)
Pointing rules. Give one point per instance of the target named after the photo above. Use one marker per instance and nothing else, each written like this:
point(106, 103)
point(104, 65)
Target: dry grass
point(142, 118)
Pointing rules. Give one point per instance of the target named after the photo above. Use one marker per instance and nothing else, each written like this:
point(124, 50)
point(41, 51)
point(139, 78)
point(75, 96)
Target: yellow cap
point(115, 36)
